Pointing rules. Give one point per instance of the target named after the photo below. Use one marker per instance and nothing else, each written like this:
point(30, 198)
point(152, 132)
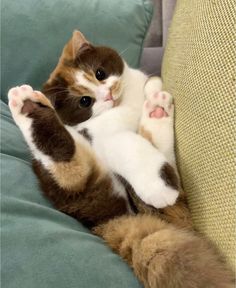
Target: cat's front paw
point(23, 100)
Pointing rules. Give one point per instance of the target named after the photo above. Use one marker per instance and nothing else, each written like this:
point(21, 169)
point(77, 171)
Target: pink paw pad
point(159, 112)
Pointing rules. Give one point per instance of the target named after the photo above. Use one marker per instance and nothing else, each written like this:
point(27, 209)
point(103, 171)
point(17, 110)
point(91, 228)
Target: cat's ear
point(77, 45)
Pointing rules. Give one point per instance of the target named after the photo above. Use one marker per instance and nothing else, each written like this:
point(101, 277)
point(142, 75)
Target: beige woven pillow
point(199, 70)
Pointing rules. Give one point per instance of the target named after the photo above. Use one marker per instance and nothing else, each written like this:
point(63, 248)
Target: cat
point(87, 155)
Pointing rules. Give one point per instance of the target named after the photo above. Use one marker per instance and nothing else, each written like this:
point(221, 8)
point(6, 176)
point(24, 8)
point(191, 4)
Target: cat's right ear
point(77, 45)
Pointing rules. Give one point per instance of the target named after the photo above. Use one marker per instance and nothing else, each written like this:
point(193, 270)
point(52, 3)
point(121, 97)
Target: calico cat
point(91, 163)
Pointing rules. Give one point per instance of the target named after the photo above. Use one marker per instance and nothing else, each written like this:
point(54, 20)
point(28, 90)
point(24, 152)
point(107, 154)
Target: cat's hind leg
point(157, 126)
point(157, 118)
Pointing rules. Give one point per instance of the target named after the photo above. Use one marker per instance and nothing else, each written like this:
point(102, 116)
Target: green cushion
point(42, 247)
point(34, 33)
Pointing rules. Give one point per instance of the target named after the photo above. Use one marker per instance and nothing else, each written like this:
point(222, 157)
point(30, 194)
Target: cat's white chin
point(101, 106)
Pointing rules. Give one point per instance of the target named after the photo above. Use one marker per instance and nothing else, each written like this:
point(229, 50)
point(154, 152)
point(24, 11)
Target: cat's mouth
point(109, 97)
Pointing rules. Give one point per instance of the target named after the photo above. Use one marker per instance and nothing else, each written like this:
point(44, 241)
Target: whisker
point(123, 51)
point(55, 88)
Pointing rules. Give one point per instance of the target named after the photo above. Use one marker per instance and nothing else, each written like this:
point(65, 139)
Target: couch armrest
point(199, 70)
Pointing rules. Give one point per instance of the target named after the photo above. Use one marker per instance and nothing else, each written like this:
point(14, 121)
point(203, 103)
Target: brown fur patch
point(163, 256)
point(100, 57)
point(49, 134)
point(178, 214)
point(73, 175)
point(66, 100)
point(168, 174)
point(91, 203)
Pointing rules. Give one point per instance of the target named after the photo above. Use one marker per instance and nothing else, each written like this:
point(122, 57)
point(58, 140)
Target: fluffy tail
point(162, 255)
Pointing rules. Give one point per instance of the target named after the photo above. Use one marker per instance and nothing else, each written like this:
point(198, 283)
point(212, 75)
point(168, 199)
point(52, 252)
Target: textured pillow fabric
point(40, 246)
point(34, 33)
point(199, 70)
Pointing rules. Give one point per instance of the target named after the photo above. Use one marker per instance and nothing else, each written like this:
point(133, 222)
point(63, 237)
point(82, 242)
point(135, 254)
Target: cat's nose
point(108, 97)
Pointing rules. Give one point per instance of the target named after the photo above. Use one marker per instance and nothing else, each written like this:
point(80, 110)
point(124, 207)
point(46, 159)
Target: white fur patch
point(135, 159)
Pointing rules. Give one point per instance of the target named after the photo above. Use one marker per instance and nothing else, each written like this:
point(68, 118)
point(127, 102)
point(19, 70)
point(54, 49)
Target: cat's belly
point(113, 121)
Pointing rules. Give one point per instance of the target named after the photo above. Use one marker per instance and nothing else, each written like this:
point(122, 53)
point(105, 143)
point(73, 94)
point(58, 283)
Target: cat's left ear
point(79, 43)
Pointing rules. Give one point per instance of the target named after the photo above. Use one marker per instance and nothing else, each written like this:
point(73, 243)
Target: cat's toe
point(15, 101)
point(26, 88)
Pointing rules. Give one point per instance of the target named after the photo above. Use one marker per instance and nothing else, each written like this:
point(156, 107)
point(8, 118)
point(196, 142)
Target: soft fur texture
point(164, 256)
point(93, 166)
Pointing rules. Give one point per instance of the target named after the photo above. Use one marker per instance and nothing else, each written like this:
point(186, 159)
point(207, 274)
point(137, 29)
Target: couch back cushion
point(34, 33)
point(42, 247)
point(199, 70)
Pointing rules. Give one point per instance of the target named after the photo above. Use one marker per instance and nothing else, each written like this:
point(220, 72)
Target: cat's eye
point(85, 101)
point(100, 74)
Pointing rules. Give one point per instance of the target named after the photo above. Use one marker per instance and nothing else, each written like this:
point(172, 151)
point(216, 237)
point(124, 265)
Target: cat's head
point(86, 81)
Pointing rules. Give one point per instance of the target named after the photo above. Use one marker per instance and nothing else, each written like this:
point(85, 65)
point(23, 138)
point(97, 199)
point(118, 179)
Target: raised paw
point(156, 123)
point(21, 96)
point(23, 100)
point(159, 103)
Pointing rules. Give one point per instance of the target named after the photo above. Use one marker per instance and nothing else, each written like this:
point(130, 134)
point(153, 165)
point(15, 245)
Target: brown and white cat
point(93, 91)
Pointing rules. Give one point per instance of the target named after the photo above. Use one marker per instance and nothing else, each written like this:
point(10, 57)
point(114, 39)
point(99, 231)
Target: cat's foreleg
point(68, 170)
point(47, 138)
